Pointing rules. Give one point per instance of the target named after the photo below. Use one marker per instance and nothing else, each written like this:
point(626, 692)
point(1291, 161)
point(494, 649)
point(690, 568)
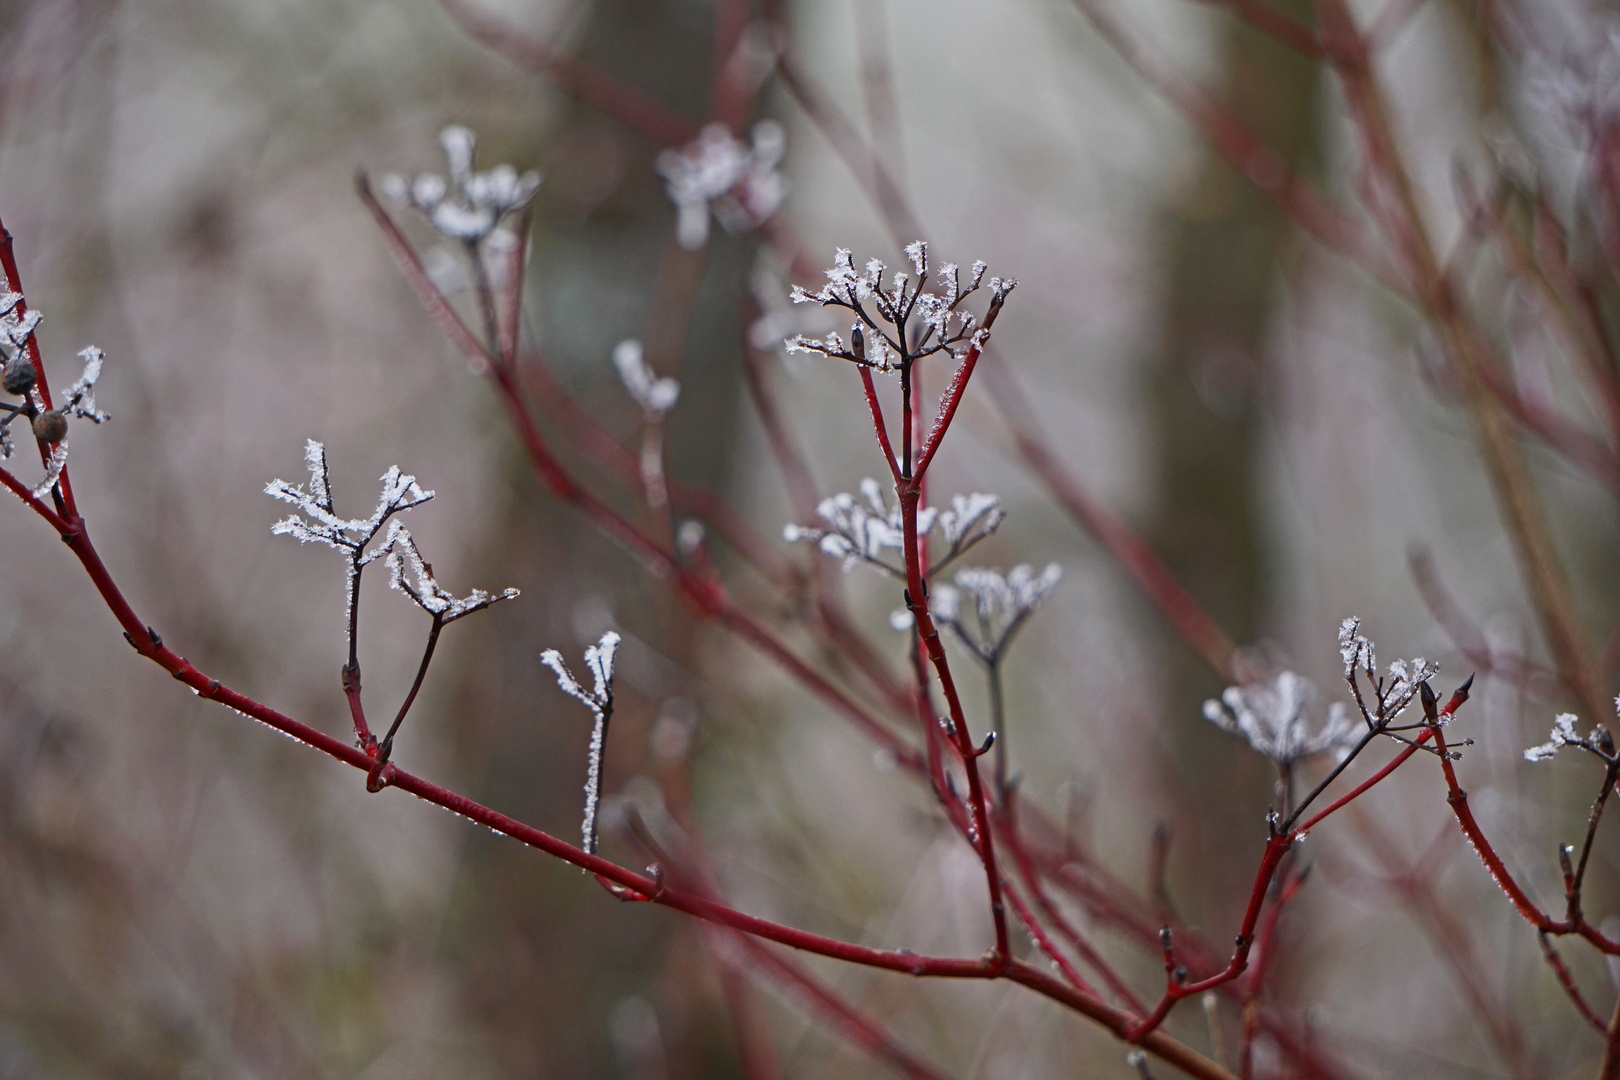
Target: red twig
point(1237, 145)
point(1567, 981)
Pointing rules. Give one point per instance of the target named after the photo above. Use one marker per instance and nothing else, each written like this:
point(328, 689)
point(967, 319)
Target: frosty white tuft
point(861, 533)
point(656, 396)
point(1001, 604)
point(715, 173)
point(1598, 741)
point(1272, 716)
point(471, 204)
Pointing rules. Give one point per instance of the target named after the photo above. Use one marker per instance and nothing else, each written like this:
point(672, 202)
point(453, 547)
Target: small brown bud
point(18, 376)
point(50, 426)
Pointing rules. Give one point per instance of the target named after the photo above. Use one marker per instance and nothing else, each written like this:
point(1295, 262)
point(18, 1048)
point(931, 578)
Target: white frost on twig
point(15, 328)
point(430, 596)
point(1000, 602)
point(80, 399)
point(1598, 741)
point(715, 173)
point(599, 699)
point(1396, 689)
point(1272, 716)
point(321, 524)
point(1563, 734)
point(471, 204)
point(655, 395)
point(1356, 651)
point(53, 469)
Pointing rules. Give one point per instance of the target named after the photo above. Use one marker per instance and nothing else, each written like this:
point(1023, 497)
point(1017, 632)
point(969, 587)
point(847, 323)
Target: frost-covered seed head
point(1000, 604)
point(470, 204)
point(938, 325)
point(1273, 715)
point(717, 174)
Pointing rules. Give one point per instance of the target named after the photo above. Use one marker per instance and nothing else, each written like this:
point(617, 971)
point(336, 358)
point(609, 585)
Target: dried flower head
point(715, 173)
point(861, 530)
point(1000, 604)
point(1274, 716)
point(469, 206)
point(906, 320)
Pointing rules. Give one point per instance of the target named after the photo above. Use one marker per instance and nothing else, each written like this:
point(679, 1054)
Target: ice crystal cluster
point(861, 532)
point(14, 326)
point(941, 325)
point(317, 522)
point(1275, 716)
point(468, 205)
point(655, 395)
point(738, 183)
point(599, 699)
point(1598, 741)
point(986, 607)
point(1399, 686)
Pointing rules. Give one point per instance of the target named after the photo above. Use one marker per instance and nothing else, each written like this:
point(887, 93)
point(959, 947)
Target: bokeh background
point(182, 894)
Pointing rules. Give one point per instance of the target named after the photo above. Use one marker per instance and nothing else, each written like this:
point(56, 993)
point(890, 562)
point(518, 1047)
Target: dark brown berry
point(50, 426)
point(18, 376)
